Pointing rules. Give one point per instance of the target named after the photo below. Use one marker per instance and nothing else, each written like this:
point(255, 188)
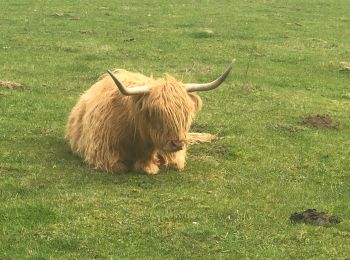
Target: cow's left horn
point(211, 85)
point(134, 90)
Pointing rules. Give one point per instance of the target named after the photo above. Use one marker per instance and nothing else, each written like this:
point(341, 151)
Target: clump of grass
point(203, 33)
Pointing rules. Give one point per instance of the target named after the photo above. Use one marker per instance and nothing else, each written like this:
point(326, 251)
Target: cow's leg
point(119, 167)
point(149, 167)
point(148, 164)
point(110, 161)
point(112, 167)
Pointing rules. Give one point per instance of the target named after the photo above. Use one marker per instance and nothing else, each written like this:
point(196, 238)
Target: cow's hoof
point(151, 169)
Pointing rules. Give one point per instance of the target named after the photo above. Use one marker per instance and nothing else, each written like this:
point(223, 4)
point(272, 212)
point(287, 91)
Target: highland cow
point(127, 121)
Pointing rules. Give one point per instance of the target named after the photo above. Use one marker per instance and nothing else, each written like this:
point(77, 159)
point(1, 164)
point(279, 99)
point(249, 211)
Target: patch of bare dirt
point(221, 150)
point(43, 132)
point(196, 127)
point(320, 121)
point(10, 84)
point(312, 217)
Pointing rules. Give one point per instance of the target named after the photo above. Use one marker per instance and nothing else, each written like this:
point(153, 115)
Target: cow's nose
point(177, 144)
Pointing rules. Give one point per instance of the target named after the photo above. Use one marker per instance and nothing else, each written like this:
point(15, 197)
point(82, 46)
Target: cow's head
point(165, 109)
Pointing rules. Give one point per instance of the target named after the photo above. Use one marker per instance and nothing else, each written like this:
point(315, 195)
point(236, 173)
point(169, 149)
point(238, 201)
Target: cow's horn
point(211, 85)
point(134, 90)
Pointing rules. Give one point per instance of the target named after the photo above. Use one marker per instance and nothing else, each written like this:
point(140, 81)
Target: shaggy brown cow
point(140, 125)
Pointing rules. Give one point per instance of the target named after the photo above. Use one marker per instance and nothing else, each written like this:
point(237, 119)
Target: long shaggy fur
point(120, 133)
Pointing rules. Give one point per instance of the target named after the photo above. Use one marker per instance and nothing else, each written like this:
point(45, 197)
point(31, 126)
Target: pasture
point(235, 196)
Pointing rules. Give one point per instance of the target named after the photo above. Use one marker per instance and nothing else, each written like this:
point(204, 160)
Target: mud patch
point(10, 84)
point(312, 217)
point(196, 127)
point(222, 150)
point(320, 121)
point(43, 132)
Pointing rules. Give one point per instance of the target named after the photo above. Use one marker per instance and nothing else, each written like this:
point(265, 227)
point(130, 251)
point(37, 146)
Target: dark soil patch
point(320, 121)
point(10, 84)
point(195, 127)
point(44, 132)
point(312, 217)
point(222, 150)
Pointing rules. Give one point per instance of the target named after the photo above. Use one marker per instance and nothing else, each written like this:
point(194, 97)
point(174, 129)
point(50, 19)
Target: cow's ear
point(197, 101)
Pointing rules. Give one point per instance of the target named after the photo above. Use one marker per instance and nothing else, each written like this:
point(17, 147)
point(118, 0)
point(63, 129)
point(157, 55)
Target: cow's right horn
point(210, 85)
point(134, 90)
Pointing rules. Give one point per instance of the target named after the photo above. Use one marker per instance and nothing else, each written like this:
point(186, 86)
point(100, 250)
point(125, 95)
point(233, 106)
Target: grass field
point(235, 196)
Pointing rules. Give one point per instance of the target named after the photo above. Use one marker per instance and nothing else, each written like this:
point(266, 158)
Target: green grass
point(235, 196)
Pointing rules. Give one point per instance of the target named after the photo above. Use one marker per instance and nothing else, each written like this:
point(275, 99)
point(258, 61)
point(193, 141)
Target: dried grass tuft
point(195, 138)
point(10, 84)
point(344, 65)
